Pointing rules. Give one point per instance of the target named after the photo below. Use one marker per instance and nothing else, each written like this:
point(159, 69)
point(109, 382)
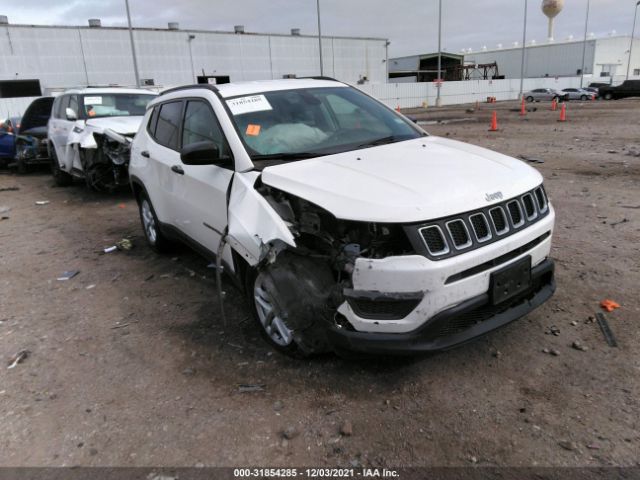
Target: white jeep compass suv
point(90, 132)
point(350, 228)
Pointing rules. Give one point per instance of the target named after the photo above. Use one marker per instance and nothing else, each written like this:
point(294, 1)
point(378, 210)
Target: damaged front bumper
point(454, 326)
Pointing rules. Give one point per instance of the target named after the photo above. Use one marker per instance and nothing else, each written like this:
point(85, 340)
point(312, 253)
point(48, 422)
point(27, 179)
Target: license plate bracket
point(511, 280)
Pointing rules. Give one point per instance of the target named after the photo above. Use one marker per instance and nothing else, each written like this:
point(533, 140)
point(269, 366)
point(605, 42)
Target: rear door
point(163, 152)
point(201, 190)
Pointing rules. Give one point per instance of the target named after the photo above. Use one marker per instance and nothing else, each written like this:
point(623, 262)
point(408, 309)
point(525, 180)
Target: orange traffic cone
point(397, 108)
point(494, 122)
point(523, 110)
point(554, 105)
point(563, 113)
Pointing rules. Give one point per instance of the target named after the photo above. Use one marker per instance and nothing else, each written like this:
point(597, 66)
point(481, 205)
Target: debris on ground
point(278, 405)
point(18, 358)
point(579, 346)
point(69, 274)
point(606, 330)
point(624, 220)
point(553, 330)
point(346, 429)
point(110, 249)
point(9, 189)
point(609, 305)
point(248, 388)
point(122, 205)
point(124, 244)
point(551, 351)
point(90, 287)
point(42, 202)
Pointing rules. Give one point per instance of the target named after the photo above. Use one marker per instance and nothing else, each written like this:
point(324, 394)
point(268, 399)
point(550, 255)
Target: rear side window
point(153, 121)
point(167, 130)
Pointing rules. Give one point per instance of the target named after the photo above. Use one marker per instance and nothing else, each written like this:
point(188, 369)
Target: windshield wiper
point(380, 141)
point(286, 156)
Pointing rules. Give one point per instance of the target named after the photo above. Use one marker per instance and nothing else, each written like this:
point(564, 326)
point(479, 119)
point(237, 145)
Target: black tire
point(156, 240)
point(530, 99)
point(583, 98)
point(62, 178)
point(608, 96)
point(298, 278)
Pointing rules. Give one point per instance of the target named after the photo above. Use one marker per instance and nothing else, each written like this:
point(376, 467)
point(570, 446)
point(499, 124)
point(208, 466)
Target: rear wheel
point(608, 96)
point(530, 99)
point(583, 97)
point(62, 178)
point(151, 227)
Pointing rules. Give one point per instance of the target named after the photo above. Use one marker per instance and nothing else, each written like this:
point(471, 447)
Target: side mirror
point(71, 115)
point(203, 153)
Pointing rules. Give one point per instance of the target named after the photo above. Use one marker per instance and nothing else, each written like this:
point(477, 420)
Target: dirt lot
point(130, 364)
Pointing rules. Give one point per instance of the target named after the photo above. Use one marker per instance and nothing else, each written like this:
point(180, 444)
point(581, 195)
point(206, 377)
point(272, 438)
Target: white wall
point(411, 95)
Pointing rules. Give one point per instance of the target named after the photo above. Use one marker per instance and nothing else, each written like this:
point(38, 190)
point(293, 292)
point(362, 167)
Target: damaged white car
point(349, 227)
point(90, 133)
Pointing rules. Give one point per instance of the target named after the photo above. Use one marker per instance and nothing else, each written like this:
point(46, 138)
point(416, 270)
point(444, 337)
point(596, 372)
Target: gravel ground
point(130, 365)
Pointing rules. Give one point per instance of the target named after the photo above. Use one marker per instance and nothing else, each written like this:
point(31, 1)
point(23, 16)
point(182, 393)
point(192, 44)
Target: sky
point(410, 25)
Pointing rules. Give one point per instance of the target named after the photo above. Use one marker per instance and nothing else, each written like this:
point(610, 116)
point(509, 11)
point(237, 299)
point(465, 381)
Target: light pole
point(584, 44)
point(133, 47)
point(633, 31)
point(524, 44)
point(439, 79)
point(190, 38)
point(319, 37)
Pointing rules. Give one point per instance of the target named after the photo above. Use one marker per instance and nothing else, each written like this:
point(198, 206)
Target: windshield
point(114, 104)
point(299, 123)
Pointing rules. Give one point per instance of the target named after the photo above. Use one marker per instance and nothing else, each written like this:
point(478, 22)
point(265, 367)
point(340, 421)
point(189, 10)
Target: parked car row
point(548, 94)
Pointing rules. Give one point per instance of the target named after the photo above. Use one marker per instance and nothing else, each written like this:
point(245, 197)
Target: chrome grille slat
point(457, 234)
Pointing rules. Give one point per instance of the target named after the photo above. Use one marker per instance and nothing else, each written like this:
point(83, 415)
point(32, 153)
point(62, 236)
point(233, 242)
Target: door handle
point(177, 169)
point(145, 154)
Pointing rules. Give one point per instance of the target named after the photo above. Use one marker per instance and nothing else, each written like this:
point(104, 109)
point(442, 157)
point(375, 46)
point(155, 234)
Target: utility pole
point(633, 31)
point(584, 44)
point(319, 37)
point(439, 79)
point(524, 44)
point(190, 38)
point(133, 47)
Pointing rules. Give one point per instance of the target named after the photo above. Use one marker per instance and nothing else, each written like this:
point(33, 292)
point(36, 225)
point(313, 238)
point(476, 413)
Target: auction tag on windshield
point(253, 103)
point(93, 100)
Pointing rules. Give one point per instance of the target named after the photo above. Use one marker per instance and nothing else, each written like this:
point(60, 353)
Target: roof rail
point(206, 86)
point(320, 77)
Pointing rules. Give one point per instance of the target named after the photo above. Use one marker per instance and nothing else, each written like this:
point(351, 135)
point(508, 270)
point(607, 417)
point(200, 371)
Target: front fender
point(254, 227)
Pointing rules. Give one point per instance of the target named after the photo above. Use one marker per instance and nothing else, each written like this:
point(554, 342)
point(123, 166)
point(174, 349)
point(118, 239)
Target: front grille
point(480, 227)
point(499, 219)
point(529, 206)
point(515, 212)
point(459, 234)
point(450, 236)
point(434, 239)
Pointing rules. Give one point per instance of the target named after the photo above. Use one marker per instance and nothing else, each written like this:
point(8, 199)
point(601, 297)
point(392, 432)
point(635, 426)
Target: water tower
point(551, 8)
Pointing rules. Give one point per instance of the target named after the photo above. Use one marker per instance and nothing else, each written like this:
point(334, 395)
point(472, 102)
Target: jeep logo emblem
point(490, 197)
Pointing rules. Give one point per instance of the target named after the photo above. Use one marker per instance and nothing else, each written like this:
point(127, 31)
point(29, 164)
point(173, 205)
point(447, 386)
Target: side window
point(55, 110)
point(62, 107)
point(153, 121)
point(168, 125)
point(73, 103)
point(201, 125)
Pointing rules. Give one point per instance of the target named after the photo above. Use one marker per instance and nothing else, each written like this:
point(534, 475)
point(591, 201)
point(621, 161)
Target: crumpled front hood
point(123, 125)
point(412, 181)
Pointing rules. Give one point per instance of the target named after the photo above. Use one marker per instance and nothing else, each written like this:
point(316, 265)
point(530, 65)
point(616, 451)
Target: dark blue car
point(8, 129)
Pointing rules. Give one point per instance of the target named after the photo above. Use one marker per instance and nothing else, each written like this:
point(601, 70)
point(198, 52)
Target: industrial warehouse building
point(61, 56)
point(606, 61)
